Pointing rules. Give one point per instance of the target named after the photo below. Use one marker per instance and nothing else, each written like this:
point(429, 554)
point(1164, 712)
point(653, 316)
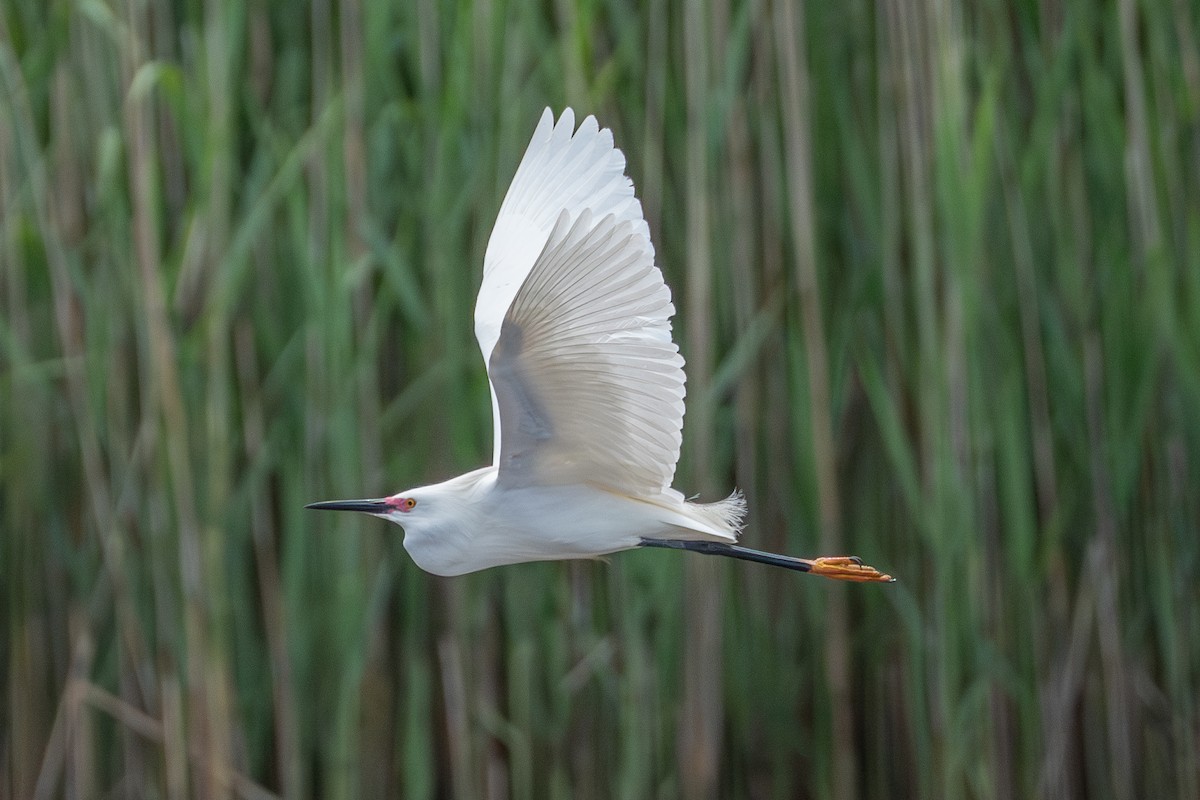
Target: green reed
point(937, 270)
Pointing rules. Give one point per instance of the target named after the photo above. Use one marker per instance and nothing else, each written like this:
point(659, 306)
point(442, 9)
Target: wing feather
point(563, 171)
point(588, 383)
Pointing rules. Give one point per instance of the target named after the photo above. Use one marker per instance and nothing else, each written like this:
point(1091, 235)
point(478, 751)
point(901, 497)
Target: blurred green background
point(937, 268)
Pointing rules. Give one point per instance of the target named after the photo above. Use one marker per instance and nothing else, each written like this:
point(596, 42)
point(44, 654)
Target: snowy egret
point(573, 319)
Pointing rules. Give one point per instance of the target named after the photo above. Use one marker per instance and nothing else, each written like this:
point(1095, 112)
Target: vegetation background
point(938, 272)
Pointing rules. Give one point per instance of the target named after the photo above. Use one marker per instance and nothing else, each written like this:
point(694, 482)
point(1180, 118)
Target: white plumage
point(573, 321)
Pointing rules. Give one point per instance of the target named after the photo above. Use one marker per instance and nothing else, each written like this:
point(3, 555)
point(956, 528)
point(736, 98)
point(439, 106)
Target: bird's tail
point(726, 515)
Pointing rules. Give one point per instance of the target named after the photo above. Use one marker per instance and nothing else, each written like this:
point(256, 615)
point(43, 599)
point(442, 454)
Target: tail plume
point(728, 514)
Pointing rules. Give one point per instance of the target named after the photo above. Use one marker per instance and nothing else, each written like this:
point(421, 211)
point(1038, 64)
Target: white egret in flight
point(573, 319)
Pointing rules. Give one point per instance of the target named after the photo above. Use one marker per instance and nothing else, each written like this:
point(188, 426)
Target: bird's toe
point(848, 568)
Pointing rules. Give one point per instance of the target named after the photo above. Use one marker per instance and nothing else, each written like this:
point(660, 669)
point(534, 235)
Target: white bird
point(573, 319)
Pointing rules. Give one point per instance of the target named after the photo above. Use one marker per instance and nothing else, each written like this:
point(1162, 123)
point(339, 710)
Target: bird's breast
point(540, 523)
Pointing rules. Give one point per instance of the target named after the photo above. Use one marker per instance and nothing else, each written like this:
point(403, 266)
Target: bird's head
point(402, 509)
point(435, 521)
point(439, 520)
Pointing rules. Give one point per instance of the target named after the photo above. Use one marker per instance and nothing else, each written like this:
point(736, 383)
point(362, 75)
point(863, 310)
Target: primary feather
point(563, 174)
point(587, 385)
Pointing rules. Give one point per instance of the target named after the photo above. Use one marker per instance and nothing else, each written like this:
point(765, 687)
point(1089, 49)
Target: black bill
point(366, 506)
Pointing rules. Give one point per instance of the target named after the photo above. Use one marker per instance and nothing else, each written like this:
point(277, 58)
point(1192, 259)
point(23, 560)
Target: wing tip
point(566, 123)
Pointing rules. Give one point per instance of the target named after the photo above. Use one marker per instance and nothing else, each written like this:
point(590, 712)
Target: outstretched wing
point(587, 385)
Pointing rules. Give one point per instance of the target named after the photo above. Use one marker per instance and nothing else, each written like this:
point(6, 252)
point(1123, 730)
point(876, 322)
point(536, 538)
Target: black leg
point(732, 551)
point(849, 568)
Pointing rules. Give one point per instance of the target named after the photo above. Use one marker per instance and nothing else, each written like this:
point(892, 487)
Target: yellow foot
point(847, 568)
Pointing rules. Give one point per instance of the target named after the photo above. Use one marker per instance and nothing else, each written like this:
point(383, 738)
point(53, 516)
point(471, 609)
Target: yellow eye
point(408, 504)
